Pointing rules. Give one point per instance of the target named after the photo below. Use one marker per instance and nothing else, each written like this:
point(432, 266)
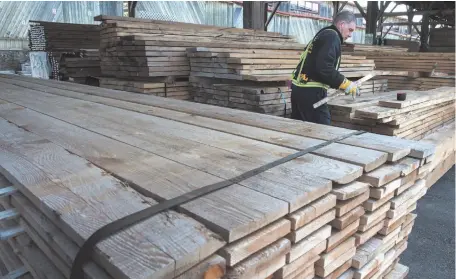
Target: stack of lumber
point(161, 88)
point(424, 62)
point(260, 77)
point(37, 38)
point(418, 83)
point(236, 63)
point(360, 48)
point(66, 36)
point(133, 47)
point(77, 66)
point(111, 153)
point(442, 40)
point(263, 97)
point(61, 38)
point(421, 113)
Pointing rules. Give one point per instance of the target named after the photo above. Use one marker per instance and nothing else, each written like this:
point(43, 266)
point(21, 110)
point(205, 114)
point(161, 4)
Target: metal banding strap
point(85, 253)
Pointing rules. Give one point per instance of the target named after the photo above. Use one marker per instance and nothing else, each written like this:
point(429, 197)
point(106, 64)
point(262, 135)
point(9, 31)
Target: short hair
point(345, 16)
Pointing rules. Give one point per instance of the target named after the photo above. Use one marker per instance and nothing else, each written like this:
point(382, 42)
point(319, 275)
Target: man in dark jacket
point(318, 70)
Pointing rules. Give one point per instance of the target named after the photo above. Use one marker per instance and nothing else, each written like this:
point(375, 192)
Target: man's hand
point(350, 88)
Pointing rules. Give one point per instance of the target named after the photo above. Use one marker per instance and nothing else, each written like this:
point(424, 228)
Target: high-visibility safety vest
point(300, 79)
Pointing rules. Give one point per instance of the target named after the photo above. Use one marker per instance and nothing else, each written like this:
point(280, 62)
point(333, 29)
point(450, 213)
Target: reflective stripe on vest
point(298, 81)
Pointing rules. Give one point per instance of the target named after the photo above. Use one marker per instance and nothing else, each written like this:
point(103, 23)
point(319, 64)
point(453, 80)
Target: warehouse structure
point(150, 139)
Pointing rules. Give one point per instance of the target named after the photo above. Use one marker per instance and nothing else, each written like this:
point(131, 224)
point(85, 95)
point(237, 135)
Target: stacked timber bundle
point(263, 97)
point(341, 209)
point(67, 36)
point(77, 66)
point(418, 83)
point(423, 62)
point(150, 48)
point(61, 38)
point(259, 75)
point(144, 50)
point(421, 113)
point(37, 38)
point(175, 89)
point(442, 40)
point(355, 66)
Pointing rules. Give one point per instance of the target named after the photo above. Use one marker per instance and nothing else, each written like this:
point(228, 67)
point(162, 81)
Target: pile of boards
point(421, 113)
point(172, 89)
point(418, 83)
point(143, 50)
point(248, 79)
point(65, 36)
point(256, 79)
point(344, 210)
point(422, 62)
point(77, 66)
point(59, 39)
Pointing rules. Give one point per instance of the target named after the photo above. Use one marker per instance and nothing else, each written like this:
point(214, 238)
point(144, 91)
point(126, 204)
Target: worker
point(318, 68)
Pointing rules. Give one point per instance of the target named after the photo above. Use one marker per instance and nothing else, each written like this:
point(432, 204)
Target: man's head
point(345, 21)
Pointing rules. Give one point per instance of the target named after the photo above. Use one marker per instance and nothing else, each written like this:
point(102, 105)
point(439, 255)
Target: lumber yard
point(135, 145)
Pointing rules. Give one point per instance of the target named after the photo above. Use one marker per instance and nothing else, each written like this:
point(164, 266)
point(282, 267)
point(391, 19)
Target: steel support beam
point(272, 15)
point(254, 14)
point(132, 8)
point(371, 19)
point(360, 9)
point(410, 21)
point(382, 10)
point(343, 6)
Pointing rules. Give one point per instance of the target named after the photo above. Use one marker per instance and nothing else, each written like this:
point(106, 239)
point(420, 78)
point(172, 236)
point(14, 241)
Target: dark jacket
point(321, 63)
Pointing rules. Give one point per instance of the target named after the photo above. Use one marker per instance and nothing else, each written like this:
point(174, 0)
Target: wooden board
point(370, 267)
point(338, 273)
point(366, 252)
point(399, 272)
point(372, 204)
point(348, 218)
point(289, 270)
point(388, 173)
point(325, 271)
point(212, 268)
point(342, 207)
point(328, 258)
point(339, 236)
point(246, 246)
point(369, 217)
point(361, 238)
point(318, 238)
point(311, 211)
point(308, 229)
point(344, 192)
point(263, 263)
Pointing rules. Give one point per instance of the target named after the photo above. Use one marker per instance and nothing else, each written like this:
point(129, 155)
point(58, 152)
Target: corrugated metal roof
point(14, 22)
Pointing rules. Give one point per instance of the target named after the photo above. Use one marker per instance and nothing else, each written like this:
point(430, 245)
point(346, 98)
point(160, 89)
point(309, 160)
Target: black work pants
point(302, 100)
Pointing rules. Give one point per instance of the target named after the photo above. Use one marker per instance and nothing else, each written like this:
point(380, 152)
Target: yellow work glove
point(350, 88)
